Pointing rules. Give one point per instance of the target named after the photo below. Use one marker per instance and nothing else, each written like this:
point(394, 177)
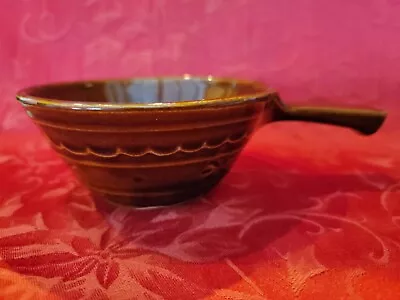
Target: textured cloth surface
point(299, 217)
point(307, 212)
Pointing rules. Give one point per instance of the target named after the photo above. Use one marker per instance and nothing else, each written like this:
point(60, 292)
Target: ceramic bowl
point(159, 141)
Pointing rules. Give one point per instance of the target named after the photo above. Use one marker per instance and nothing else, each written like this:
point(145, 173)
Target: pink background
point(298, 217)
point(334, 51)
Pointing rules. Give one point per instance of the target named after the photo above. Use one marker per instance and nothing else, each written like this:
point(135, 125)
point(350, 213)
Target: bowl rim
point(25, 95)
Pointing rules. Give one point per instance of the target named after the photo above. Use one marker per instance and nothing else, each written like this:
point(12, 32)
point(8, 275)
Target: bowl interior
point(146, 91)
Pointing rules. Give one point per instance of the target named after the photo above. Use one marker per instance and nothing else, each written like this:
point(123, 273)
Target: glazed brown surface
point(148, 155)
point(163, 155)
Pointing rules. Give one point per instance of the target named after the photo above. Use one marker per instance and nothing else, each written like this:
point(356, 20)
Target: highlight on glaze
point(147, 93)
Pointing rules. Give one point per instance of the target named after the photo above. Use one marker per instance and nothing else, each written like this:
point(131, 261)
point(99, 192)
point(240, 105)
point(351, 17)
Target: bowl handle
point(365, 121)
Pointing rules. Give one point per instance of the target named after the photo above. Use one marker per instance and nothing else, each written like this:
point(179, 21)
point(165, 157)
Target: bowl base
point(151, 199)
point(106, 203)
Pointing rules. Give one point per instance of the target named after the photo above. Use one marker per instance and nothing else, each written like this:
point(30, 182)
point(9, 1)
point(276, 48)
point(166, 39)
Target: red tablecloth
point(307, 212)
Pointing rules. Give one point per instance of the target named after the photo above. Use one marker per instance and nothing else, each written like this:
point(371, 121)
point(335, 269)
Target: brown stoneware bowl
point(158, 141)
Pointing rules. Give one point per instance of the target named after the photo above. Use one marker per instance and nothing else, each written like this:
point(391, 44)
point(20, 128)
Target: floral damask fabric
point(307, 212)
point(295, 219)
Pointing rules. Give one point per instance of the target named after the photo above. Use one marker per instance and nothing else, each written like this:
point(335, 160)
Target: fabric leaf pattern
point(307, 211)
